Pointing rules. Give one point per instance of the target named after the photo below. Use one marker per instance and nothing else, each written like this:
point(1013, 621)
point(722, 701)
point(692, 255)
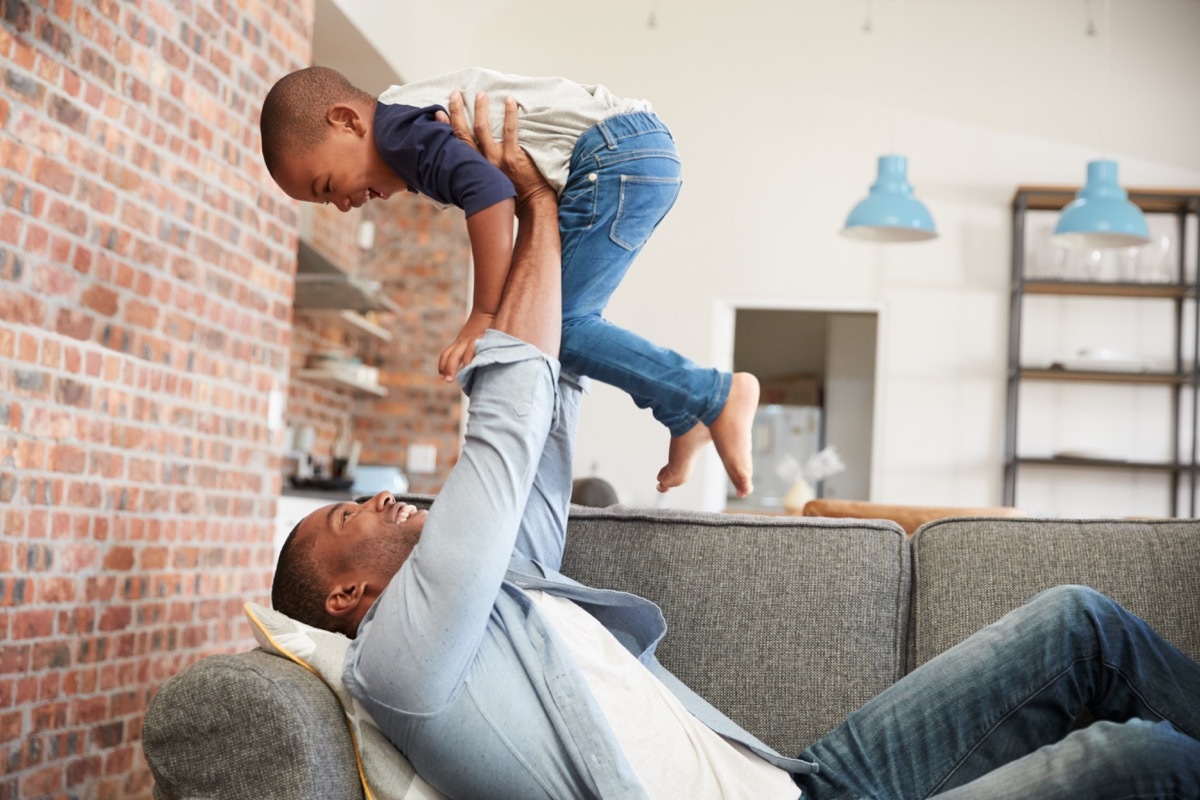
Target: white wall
point(780, 109)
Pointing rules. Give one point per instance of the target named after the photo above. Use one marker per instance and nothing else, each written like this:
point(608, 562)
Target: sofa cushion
point(386, 773)
point(251, 726)
point(970, 572)
point(786, 624)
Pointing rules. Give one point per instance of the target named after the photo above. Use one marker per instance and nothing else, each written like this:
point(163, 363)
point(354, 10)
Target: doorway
point(818, 366)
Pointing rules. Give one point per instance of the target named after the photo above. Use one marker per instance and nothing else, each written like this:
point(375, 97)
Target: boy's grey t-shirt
point(555, 112)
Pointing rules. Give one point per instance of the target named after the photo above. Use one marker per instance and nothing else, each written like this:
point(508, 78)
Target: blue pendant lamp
point(890, 212)
point(1101, 214)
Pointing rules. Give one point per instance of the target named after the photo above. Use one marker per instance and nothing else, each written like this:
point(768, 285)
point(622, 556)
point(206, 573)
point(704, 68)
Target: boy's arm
point(491, 234)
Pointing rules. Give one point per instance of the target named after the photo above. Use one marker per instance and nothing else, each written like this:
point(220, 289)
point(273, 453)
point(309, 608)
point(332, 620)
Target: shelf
point(321, 286)
point(1169, 291)
point(334, 377)
point(1155, 201)
point(351, 319)
point(1102, 463)
point(1103, 376)
point(1175, 303)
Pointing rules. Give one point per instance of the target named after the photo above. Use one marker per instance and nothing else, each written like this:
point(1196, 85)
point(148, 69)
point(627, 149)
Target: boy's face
point(344, 169)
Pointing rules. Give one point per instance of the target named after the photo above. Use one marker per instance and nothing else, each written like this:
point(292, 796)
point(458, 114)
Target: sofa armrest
point(251, 726)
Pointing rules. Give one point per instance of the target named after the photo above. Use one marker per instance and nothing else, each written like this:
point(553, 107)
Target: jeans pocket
point(643, 203)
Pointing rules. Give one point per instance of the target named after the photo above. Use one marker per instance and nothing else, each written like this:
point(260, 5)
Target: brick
point(89, 710)
point(51, 655)
point(84, 770)
point(70, 392)
point(75, 324)
point(116, 618)
point(68, 113)
point(101, 300)
point(52, 34)
point(53, 174)
point(119, 558)
point(68, 458)
point(16, 13)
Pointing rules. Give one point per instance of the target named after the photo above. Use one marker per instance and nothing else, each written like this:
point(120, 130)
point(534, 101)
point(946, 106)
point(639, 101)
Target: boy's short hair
point(293, 112)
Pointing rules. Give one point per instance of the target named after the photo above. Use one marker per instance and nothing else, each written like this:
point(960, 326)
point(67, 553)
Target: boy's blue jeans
point(624, 178)
point(990, 717)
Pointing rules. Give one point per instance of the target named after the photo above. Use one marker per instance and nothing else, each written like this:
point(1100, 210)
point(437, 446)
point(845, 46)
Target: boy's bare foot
point(731, 432)
point(681, 457)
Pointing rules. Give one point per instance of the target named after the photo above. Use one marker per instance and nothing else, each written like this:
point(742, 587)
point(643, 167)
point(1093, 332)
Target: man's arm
point(419, 639)
point(537, 208)
point(531, 308)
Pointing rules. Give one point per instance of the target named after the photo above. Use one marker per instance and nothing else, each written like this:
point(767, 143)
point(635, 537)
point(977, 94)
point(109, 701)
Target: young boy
point(615, 168)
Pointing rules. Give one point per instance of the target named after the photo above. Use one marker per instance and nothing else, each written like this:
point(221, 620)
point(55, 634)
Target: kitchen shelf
point(1102, 376)
point(321, 286)
point(1167, 291)
point(1180, 303)
point(1103, 463)
point(352, 320)
point(338, 379)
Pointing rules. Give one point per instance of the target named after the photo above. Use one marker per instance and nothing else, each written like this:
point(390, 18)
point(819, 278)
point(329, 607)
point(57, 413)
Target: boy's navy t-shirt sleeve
point(436, 163)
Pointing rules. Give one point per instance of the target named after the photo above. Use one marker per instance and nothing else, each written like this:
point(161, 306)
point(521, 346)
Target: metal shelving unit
point(1181, 469)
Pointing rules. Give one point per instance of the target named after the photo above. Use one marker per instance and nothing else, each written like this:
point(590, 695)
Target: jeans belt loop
point(609, 139)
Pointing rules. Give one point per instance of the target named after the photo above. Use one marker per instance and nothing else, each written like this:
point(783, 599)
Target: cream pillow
point(385, 773)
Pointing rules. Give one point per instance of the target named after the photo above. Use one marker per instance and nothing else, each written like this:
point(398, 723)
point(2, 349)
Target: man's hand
point(508, 155)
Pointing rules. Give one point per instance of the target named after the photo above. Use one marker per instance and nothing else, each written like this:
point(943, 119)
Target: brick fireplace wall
point(145, 314)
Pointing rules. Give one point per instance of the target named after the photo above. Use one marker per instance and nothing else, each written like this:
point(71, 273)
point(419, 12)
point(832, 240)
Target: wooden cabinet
point(1158, 405)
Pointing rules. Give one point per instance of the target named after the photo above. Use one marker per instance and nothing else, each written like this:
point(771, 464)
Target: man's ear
point(345, 597)
point(344, 116)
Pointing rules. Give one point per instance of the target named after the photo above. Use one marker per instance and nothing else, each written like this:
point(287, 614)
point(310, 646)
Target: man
point(500, 678)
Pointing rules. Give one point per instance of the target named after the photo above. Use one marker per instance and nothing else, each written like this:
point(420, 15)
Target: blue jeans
point(991, 717)
point(624, 178)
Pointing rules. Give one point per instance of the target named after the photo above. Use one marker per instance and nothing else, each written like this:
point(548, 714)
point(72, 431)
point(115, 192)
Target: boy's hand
point(462, 349)
point(508, 155)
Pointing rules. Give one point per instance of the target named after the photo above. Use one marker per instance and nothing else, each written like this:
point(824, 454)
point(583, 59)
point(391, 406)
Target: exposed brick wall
point(421, 256)
point(145, 306)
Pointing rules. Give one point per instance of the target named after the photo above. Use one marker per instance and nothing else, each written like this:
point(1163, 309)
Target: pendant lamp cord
point(1107, 55)
point(895, 59)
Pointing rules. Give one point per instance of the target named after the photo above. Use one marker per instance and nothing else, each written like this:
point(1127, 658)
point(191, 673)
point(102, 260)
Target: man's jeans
point(990, 717)
point(624, 178)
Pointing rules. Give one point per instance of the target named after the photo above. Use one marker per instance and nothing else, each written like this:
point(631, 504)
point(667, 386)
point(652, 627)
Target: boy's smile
point(344, 168)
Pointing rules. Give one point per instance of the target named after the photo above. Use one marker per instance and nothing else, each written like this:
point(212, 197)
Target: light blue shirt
point(455, 663)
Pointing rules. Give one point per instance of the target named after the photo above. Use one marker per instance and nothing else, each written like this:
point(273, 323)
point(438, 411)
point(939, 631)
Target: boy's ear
point(344, 116)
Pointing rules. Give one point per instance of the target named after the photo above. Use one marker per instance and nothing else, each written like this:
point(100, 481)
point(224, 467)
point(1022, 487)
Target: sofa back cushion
point(785, 624)
point(970, 572)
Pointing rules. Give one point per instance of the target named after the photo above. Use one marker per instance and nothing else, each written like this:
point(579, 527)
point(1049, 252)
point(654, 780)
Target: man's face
point(344, 169)
point(364, 542)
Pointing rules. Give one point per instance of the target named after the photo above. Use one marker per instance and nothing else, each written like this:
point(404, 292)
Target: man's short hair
point(300, 586)
point(293, 112)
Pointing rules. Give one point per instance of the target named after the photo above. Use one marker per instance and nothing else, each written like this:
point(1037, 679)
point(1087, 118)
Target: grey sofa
point(785, 623)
